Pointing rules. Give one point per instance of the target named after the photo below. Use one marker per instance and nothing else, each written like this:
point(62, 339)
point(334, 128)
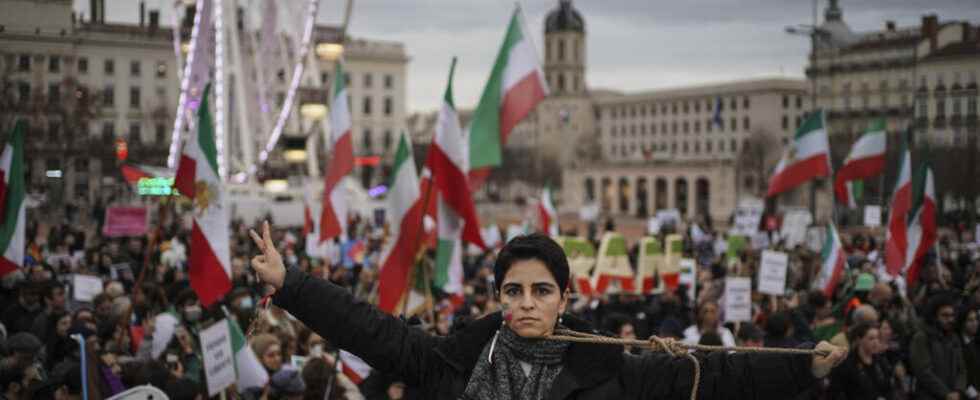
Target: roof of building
point(709, 89)
point(564, 18)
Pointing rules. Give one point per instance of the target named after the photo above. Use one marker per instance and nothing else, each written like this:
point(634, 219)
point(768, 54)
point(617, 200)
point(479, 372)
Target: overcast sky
point(631, 45)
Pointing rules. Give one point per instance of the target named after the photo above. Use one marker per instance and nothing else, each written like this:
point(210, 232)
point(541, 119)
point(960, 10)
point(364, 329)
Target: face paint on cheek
point(507, 314)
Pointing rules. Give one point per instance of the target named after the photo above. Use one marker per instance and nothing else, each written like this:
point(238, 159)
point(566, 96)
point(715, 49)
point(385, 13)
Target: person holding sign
point(506, 355)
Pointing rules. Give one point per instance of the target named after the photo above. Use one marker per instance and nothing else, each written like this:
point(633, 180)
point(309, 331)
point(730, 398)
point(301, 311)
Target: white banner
point(738, 299)
point(689, 276)
point(795, 222)
point(86, 287)
point(219, 360)
point(872, 216)
point(772, 272)
point(668, 216)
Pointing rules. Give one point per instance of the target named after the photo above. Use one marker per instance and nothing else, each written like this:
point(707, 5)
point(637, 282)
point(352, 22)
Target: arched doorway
point(624, 195)
point(589, 190)
point(660, 194)
point(641, 198)
point(680, 195)
point(702, 199)
point(606, 194)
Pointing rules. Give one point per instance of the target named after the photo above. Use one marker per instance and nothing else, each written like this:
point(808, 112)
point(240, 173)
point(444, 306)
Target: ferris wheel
point(256, 55)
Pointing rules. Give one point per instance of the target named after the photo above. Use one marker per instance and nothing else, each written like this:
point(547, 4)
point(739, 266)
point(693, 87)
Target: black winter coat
point(441, 366)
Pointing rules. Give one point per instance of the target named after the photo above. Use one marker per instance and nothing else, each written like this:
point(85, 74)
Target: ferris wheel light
point(294, 155)
point(313, 111)
point(276, 185)
point(329, 51)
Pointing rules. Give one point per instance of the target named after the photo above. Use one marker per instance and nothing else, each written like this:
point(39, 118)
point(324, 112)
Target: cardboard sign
point(649, 262)
point(86, 287)
point(125, 221)
point(772, 272)
point(747, 218)
point(581, 260)
point(794, 227)
point(219, 360)
point(689, 275)
point(738, 299)
point(612, 271)
point(670, 272)
point(872, 216)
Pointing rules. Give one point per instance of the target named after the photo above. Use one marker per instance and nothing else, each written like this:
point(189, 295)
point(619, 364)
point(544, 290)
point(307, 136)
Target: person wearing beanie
point(506, 355)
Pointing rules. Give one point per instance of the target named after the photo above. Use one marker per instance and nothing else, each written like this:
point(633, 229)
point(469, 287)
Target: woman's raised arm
point(383, 341)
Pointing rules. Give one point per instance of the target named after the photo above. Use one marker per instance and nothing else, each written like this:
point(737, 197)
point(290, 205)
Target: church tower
point(564, 55)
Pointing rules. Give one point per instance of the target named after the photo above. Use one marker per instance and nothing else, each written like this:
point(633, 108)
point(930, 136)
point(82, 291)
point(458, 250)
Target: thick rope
point(674, 348)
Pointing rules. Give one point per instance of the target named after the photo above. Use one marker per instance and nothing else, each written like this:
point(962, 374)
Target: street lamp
point(329, 51)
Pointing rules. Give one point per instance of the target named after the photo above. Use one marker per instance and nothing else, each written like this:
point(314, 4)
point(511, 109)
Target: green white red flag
point(12, 196)
point(808, 157)
point(197, 177)
point(515, 87)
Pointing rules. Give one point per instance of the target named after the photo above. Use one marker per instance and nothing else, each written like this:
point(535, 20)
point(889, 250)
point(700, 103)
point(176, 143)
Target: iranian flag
point(12, 194)
point(896, 240)
point(547, 215)
point(808, 157)
point(833, 261)
point(866, 160)
point(197, 178)
point(354, 367)
point(922, 223)
point(333, 216)
point(456, 216)
point(516, 85)
point(405, 208)
point(248, 369)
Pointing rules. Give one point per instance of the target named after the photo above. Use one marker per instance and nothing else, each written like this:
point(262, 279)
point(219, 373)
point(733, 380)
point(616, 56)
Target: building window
point(134, 97)
point(745, 102)
point(160, 133)
point(561, 50)
point(366, 109)
point(54, 130)
point(110, 67)
point(673, 127)
point(697, 107)
point(324, 78)
point(54, 94)
point(940, 106)
point(24, 92)
point(685, 148)
point(663, 128)
point(161, 69)
point(54, 64)
point(107, 129)
point(134, 133)
point(387, 140)
point(368, 80)
point(388, 106)
point(673, 108)
point(389, 81)
point(561, 83)
point(799, 121)
point(799, 102)
point(686, 107)
point(971, 106)
point(708, 147)
point(686, 127)
point(83, 65)
point(721, 124)
point(367, 140)
point(109, 96)
point(24, 63)
point(653, 129)
point(697, 126)
point(785, 101)
point(135, 68)
point(734, 104)
point(745, 124)
point(707, 125)
point(697, 147)
point(734, 145)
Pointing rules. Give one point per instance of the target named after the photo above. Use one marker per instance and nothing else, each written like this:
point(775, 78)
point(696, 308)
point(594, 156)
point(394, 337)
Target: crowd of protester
point(906, 342)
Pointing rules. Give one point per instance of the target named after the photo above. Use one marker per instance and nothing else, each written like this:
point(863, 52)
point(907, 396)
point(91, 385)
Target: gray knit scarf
point(504, 379)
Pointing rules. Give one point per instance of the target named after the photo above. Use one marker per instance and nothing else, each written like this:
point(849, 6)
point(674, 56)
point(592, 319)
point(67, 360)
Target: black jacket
point(440, 366)
point(853, 380)
point(937, 363)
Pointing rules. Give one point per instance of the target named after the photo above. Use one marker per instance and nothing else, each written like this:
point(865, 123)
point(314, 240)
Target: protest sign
point(650, 261)
point(872, 216)
point(653, 226)
point(219, 361)
point(86, 287)
point(612, 271)
point(772, 272)
point(747, 218)
point(581, 260)
point(794, 227)
point(125, 221)
point(738, 299)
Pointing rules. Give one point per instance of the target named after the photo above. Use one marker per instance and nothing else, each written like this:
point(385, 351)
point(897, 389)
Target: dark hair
point(961, 318)
point(532, 247)
point(49, 288)
point(777, 325)
point(939, 300)
point(615, 321)
point(748, 332)
point(816, 299)
point(857, 332)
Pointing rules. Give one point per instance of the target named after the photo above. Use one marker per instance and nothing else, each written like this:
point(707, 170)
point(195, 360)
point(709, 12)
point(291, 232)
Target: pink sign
point(125, 221)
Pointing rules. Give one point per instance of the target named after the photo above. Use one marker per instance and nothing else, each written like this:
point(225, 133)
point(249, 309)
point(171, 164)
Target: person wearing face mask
point(190, 308)
point(19, 316)
point(505, 356)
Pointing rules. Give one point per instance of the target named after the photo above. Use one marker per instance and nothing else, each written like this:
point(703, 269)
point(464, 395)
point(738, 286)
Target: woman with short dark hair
point(506, 355)
point(864, 374)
